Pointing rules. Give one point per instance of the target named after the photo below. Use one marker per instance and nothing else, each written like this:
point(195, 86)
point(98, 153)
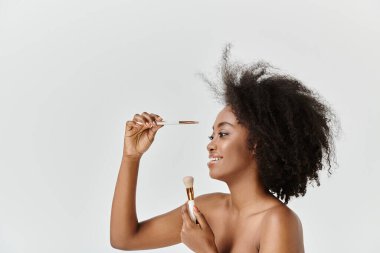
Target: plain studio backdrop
point(73, 72)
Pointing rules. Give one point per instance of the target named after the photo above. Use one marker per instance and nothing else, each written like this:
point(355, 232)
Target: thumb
point(201, 219)
point(152, 132)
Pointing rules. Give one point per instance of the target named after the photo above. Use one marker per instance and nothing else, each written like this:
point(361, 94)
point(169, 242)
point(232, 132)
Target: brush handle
point(190, 205)
point(181, 122)
point(161, 123)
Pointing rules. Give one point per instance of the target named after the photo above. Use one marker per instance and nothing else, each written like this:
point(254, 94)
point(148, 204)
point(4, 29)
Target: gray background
point(72, 72)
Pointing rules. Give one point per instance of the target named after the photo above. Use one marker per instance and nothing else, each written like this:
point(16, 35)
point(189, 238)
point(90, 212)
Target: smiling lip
point(214, 156)
point(212, 163)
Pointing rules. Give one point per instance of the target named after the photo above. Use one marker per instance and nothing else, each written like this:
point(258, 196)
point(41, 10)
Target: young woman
point(271, 139)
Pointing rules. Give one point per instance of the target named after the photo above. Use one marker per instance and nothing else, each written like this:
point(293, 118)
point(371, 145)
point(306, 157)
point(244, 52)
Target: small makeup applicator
point(188, 181)
point(179, 122)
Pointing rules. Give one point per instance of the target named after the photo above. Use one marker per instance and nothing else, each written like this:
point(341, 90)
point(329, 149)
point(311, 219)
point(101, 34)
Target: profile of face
point(228, 149)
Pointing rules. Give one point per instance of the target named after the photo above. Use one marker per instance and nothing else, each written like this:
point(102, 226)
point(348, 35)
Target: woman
point(270, 140)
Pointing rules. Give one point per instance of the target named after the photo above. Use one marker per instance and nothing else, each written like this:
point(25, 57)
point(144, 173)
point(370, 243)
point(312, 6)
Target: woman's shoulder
point(281, 215)
point(215, 196)
point(284, 224)
point(212, 199)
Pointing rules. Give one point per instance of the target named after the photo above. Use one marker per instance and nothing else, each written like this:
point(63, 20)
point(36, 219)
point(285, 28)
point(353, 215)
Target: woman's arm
point(126, 232)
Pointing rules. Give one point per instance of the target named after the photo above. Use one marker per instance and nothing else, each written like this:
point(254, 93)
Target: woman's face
point(228, 149)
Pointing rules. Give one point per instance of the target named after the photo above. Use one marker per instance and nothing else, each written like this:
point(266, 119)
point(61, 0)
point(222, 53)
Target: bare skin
point(249, 219)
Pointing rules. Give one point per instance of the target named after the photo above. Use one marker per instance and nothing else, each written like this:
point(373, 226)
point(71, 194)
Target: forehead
point(225, 115)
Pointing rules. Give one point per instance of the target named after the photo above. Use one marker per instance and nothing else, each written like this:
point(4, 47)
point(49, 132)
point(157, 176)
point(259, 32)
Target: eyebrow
point(222, 124)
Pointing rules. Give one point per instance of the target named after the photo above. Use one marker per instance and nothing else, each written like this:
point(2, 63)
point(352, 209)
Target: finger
point(139, 119)
point(131, 127)
point(201, 219)
point(153, 131)
point(156, 117)
point(156, 127)
point(185, 216)
point(148, 118)
point(140, 124)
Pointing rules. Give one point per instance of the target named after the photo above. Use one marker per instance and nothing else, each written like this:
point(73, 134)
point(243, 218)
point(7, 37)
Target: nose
point(211, 146)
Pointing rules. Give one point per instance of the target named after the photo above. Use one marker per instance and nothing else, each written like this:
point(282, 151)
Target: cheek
point(238, 154)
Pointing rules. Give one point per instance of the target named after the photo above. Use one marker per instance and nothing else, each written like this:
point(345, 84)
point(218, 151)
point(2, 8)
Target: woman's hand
point(139, 134)
point(198, 237)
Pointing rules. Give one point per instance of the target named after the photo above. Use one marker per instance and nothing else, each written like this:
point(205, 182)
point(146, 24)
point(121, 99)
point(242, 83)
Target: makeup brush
point(180, 122)
point(188, 181)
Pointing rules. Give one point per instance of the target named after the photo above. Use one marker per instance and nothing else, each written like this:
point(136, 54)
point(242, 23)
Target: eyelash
point(221, 135)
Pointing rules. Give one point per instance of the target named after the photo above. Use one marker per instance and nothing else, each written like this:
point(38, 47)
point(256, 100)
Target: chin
point(214, 175)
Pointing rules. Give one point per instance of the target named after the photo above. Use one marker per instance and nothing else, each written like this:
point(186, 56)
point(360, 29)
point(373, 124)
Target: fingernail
point(195, 209)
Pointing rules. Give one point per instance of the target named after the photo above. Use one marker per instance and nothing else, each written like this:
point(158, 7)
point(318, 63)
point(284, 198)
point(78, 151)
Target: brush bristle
point(188, 122)
point(188, 181)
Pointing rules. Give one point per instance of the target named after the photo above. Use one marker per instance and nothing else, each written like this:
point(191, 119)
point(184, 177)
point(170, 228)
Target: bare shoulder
point(211, 200)
point(213, 196)
point(281, 229)
point(279, 216)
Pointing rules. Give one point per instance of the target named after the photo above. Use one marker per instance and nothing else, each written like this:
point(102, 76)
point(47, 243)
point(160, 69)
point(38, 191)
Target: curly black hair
point(291, 129)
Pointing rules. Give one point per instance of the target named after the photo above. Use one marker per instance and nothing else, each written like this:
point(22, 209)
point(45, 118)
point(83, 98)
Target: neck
point(248, 194)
